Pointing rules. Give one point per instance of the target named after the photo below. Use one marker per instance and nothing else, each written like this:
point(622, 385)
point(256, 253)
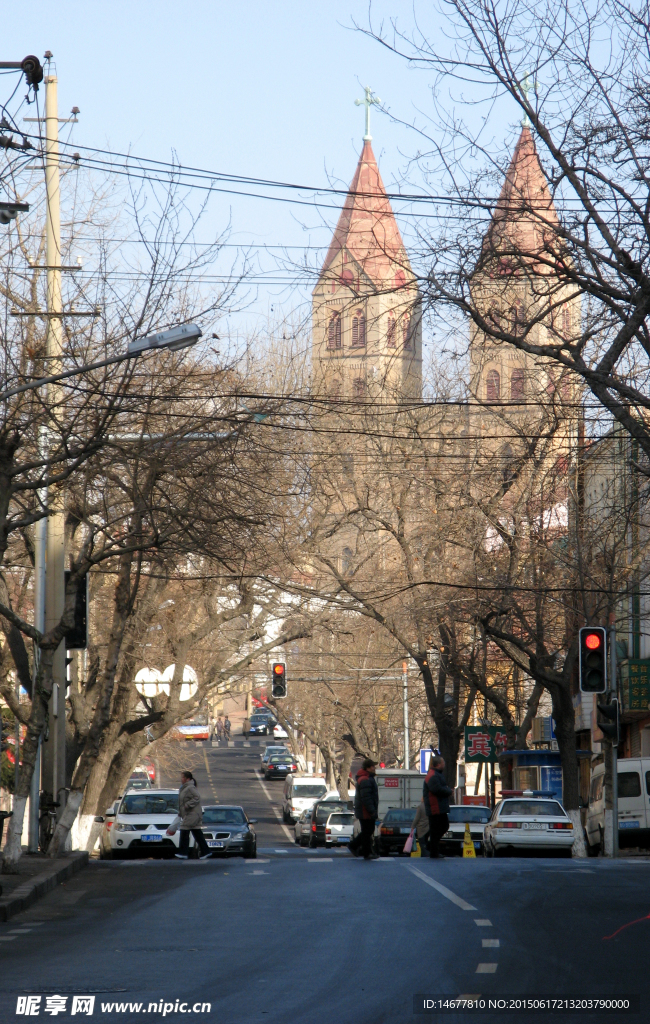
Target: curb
point(32, 889)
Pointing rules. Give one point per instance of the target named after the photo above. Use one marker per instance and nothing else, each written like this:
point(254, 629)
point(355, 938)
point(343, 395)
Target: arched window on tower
point(347, 278)
point(347, 558)
point(517, 385)
point(406, 331)
point(493, 386)
point(400, 279)
point(391, 331)
point(358, 329)
point(334, 331)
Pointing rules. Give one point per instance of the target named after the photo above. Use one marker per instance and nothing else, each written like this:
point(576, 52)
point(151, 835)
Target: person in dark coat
point(436, 794)
point(366, 807)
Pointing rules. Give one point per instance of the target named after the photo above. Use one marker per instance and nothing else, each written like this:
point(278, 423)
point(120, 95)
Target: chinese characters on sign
point(483, 743)
point(635, 676)
point(30, 1006)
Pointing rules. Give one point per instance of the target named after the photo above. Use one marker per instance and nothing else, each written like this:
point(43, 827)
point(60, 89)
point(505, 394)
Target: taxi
point(528, 821)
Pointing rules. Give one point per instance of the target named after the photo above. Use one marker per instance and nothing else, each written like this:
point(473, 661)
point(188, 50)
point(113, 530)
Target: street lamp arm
point(174, 339)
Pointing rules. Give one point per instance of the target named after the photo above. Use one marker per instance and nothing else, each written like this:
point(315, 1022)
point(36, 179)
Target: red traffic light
point(278, 669)
point(593, 641)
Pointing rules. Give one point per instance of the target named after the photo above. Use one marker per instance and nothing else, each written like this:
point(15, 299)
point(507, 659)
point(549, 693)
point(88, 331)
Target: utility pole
point(40, 547)
point(54, 747)
point(405, 697)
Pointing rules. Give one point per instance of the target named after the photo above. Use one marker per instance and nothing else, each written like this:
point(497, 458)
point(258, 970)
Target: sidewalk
point(37, 875)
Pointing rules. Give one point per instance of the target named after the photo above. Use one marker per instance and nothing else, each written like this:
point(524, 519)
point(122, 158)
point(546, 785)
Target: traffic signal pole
point(614, 689)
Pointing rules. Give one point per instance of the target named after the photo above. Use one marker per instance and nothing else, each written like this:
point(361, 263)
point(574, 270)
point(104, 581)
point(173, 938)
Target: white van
point(300, 793)
point(633, 803)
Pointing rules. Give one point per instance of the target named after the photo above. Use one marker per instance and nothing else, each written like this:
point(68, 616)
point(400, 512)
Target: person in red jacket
point(436, 795)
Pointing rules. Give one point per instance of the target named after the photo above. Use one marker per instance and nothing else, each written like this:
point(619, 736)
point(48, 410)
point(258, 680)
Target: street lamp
point(174, 339)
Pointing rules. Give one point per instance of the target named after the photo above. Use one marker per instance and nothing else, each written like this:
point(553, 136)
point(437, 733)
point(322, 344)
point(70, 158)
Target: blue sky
point(254, 88)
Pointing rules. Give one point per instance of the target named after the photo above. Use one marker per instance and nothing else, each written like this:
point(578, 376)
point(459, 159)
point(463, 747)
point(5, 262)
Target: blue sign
point(425, 754)
point(551, 780)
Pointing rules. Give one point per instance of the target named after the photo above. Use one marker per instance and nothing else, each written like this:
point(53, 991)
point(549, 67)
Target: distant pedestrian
point(190, 818)
point(366, 808)
point(227, 727)
point(219, 728)
point(246, 727)
point(436, 795)
point(421, 825)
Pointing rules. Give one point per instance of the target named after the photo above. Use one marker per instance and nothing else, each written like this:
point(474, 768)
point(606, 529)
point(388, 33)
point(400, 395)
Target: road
point(305, 937)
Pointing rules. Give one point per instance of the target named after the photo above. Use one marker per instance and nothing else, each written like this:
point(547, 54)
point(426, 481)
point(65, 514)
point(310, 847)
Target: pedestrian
point(421, 825)
point(246, 727)
point(227, 727)
point(219, 728)
point(366, 809)
point(436, 795)
point(189, 819)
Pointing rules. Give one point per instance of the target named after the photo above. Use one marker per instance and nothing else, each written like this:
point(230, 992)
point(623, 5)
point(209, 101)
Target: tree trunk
point(344, 780)
point(564, 716)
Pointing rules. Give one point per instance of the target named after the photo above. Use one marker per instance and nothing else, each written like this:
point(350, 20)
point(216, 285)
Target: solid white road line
point(487, 969)
point(256, 860)
point(442, 889)
point(275, 810)
point(490, 943)
point(482, 922)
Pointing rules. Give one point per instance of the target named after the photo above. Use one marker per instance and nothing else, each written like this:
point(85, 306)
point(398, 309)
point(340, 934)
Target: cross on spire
point(370, 101)
point(527, 85)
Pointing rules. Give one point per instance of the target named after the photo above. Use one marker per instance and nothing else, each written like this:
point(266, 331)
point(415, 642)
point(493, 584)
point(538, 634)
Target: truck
point(398, 787)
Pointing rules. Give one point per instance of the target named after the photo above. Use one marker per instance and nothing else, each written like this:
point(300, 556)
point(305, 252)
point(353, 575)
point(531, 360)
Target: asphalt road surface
point(313, 937)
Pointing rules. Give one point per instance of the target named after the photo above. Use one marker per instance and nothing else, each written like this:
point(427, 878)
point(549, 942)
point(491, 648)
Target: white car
point(139, 824)
point(300, 794)
point(279, 732)
point(476, 815)
point(528, 823)
point(339, 828)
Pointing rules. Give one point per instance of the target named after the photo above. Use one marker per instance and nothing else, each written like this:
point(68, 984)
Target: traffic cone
point(468, 845)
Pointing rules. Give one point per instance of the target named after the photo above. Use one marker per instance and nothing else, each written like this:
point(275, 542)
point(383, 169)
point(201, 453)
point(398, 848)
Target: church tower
point(366, 306)
point(519, 286)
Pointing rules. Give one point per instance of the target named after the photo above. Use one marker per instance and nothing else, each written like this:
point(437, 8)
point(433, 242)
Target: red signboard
point(391, 783)
point(474, 801)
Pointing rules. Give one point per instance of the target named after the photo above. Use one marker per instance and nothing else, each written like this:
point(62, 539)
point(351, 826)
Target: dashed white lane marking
point(280, 851)
point(7, 938)
point(320, 860)
point(487, 969)
point(275, 810)
point(442, 889)
point(258, 872)
point(490, 943)
point(482, 922)
point(256, 860)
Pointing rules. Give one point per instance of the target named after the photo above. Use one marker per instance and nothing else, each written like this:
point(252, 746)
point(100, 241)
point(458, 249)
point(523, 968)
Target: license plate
point(477, 846)
point(215, 844)
point(342, 839)
point(533, 825)
point(405, 831)
point(152, 839)
point(629, 824)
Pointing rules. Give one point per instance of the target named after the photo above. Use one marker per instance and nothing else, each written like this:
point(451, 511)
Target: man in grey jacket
point(190, 814)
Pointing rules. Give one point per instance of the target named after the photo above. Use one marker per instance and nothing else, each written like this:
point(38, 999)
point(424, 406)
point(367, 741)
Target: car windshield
point(307, 791)
point(323, 811)
point(481, 814)
point(531, 809)
point(259, 719)
point(223, 816)
point(341, 819)
point(150, 803)
point(401, 814)
point(280, 759)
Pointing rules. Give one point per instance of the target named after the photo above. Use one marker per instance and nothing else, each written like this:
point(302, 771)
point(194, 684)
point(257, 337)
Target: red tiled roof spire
point(367, 232)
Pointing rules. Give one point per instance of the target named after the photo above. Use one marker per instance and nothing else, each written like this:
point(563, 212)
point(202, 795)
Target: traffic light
point(279, 679)
point(593, 659)
point(76, 638)
point(610, 728)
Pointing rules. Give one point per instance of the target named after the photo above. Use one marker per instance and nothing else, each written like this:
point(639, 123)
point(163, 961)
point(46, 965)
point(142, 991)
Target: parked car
point(229, 832)
point(140, 823)
point(270, 751)
point(394, 830)
point(320, 812)
point(459, 814)
point(261, 724)
point(301, 793)
point(529, 824)
point(633, 774)
point(279, 732)
point(107, 820)
point(279, 766)
point(302, 828)
point(339, 828)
